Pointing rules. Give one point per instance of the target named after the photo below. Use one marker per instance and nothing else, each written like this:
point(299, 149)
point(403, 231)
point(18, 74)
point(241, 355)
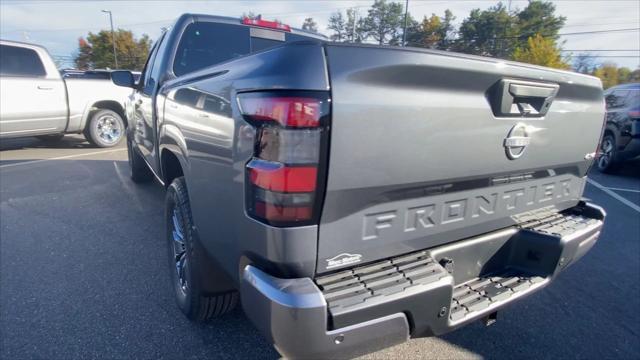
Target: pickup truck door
point(144, 117)
point(142, 123)
point(33, 101)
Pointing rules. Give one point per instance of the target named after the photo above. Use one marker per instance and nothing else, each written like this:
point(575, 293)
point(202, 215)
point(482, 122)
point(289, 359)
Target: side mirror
point(123, 78)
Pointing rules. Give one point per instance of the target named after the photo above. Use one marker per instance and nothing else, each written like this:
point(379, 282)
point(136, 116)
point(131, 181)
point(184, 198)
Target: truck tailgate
point(430, 147)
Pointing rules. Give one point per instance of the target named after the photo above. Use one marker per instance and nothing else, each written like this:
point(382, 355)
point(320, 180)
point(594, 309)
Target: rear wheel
point(185, 258)
point(105, 128)
point(607, 156)
point(140, 172)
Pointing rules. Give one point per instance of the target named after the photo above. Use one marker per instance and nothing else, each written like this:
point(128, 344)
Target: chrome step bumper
point(424, 293)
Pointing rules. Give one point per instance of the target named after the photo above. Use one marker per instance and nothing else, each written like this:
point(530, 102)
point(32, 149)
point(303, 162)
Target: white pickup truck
point(37, 101)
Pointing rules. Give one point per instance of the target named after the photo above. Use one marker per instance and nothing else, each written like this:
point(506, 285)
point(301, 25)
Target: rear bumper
point(430, 292)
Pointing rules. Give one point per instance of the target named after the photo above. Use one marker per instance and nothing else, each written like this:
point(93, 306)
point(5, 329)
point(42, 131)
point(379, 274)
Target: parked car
point(354, 196)
point(37, 101)
point(621, 136)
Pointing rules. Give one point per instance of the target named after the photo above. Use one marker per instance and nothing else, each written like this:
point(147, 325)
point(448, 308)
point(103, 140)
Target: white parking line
point(621, 189)
point(614, 195)
point(61, 158)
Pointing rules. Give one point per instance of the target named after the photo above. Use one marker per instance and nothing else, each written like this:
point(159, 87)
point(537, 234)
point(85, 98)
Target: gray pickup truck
point(37, 101)
point(355, 196)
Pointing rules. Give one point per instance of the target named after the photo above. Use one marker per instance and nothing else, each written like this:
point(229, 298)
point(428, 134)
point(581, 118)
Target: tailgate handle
point(530, 91)
point(516, 98)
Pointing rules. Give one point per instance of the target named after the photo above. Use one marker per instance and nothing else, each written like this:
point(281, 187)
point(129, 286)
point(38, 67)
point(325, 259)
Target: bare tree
point(584, 63)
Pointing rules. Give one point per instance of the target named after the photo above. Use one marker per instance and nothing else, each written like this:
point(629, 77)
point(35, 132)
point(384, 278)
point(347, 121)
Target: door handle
point(42, 87)
point(515, 98)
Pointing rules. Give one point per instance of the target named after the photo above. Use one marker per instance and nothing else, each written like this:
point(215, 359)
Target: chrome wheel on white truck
point(105, 129)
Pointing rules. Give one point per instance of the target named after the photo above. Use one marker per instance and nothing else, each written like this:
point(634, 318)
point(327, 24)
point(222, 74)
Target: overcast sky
point(57, 24)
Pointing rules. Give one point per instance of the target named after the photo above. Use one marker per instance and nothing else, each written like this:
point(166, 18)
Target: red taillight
point(287, 111)
point(285, 177)
point(266, 24)
point(634, 113)
point(281, 178)
point(282, 213)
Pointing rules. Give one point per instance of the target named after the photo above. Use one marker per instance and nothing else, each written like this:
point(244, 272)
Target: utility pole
point(355, 22)
point(404, 32)
point(113, 38)
point(502, 43)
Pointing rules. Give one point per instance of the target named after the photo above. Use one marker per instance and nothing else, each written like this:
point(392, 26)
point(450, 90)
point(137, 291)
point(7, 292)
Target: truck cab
point(34, 97)
point(194, 43)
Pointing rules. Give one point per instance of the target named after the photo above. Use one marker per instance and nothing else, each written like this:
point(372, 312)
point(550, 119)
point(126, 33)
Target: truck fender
point(109, 104)
point(171, 139)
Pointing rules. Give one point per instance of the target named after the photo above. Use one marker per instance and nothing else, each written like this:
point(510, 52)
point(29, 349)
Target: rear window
point(634, 98)
point(18, 61)
point(616, 98)
point(258, 44)
point(205, 43)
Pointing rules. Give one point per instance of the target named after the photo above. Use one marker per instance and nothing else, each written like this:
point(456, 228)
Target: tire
point(50, 138)
point(606, 162)
point(139, 171)
point(105, 129)
point(186, 257)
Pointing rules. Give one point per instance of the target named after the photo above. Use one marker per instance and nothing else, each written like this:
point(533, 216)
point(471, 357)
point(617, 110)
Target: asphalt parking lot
point(83, 274)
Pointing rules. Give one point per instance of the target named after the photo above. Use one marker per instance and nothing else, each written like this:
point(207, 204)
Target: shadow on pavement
point(68, 142)
point(628, 169)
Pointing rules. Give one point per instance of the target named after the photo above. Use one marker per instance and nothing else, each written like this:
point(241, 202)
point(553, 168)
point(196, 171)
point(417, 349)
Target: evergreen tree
point(310, 25)
point(384, 22)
